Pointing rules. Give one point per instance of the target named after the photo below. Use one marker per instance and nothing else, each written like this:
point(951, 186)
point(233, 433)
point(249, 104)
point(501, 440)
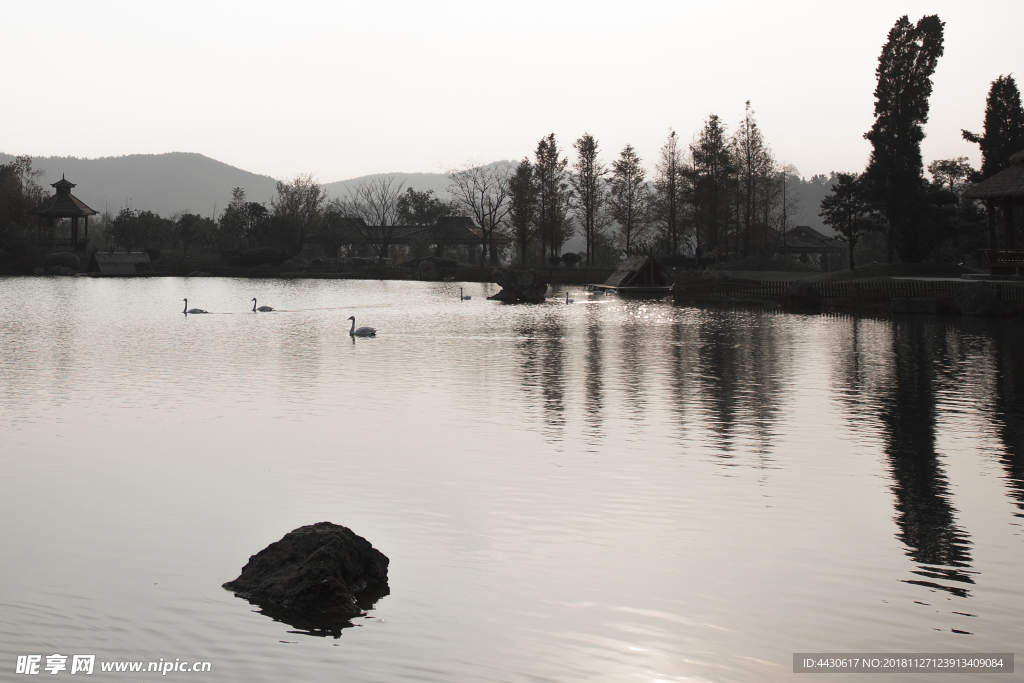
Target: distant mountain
point(180, 181)
point(421, 182)
point(163, 183)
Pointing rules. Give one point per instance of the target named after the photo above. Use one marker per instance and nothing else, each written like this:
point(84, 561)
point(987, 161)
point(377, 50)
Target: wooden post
point(74, 233)
point(1008, 223)
point(990, 212)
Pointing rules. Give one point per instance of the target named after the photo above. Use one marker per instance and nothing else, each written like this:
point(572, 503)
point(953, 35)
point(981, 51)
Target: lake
point(610, 490)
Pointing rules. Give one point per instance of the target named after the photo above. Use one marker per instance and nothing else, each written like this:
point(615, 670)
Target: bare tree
point(378, 203)
point(483, 191)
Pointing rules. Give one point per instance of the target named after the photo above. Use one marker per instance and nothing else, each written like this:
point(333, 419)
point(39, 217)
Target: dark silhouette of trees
point(553, 196)
point(1004, 127)
point(895, 170)
point(711, 176)
point(296, 212)
point(846, 208)
point(377, 202)
point(482, 191)
point(523, 204)
point(192, 228)
point(755, 166)
point(244, 224)
point(951, 174)
point(590, 194)
point(19, 194)
point(422, 208)
point(629, 197)
point(668, 200)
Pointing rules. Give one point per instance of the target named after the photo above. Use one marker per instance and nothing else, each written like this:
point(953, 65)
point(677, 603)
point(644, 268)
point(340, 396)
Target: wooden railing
point(1004, 258)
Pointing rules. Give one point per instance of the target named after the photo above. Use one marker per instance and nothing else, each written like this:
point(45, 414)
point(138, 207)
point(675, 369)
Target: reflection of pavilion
point(62, 205)
point(1004, 190)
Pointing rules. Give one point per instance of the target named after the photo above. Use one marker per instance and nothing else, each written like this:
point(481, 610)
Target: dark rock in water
point(519, 285)
point(198, 273)
point(314, 576)
point(802, 296)
point(924, 305)
point(978, 298)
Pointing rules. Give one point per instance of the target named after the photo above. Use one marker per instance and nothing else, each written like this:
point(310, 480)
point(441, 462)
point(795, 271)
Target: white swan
point(568, 300)
point(262, 309)
point(362, 331)
point(463, 298)
point(194, 310)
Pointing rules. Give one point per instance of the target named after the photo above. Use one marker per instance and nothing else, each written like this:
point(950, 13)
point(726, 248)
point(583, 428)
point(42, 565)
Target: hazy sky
point(343, 89)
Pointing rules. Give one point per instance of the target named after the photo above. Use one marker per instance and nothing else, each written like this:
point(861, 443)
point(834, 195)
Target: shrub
point(260, 255)
point(555, 261)
point(153, 252)
point(570, 259)
point(63, 258)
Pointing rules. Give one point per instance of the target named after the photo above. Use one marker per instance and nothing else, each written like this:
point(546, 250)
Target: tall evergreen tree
point(629, 197)
point(1004, 127)
point(752, 157)
point(895, 170)
point(553, 195)
point(588, 182)
point(668, 193)
point(522, 215)
point(711, 174)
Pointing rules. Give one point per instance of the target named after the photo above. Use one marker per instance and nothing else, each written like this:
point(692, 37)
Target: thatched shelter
point(1005, 190)
point(121, 263)
point(639, 274)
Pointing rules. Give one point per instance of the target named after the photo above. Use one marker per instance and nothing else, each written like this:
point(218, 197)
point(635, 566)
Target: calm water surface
point(607, 491)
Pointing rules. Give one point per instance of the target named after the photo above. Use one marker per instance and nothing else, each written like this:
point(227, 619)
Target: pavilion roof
point(1007, 184)
point(63, 204)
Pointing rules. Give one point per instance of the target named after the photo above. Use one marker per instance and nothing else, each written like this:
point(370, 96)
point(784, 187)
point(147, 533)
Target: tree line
point(920, 219)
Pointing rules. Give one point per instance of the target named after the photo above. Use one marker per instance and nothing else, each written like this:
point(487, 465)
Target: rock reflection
point(323, 627)
point(924, 514)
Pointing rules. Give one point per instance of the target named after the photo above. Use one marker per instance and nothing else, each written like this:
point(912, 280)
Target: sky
point(345, 89)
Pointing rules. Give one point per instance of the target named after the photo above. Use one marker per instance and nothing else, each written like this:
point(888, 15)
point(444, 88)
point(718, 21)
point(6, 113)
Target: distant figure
point(698, 253)
point(689, 251)
point(362, 331)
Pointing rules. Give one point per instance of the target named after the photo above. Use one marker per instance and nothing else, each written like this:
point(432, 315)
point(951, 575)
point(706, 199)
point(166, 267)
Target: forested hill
point(179, 181)
point(163, 183)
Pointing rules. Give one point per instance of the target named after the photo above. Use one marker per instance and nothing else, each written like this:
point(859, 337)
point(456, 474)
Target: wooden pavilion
point(61, 205)
point(1005, 190)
